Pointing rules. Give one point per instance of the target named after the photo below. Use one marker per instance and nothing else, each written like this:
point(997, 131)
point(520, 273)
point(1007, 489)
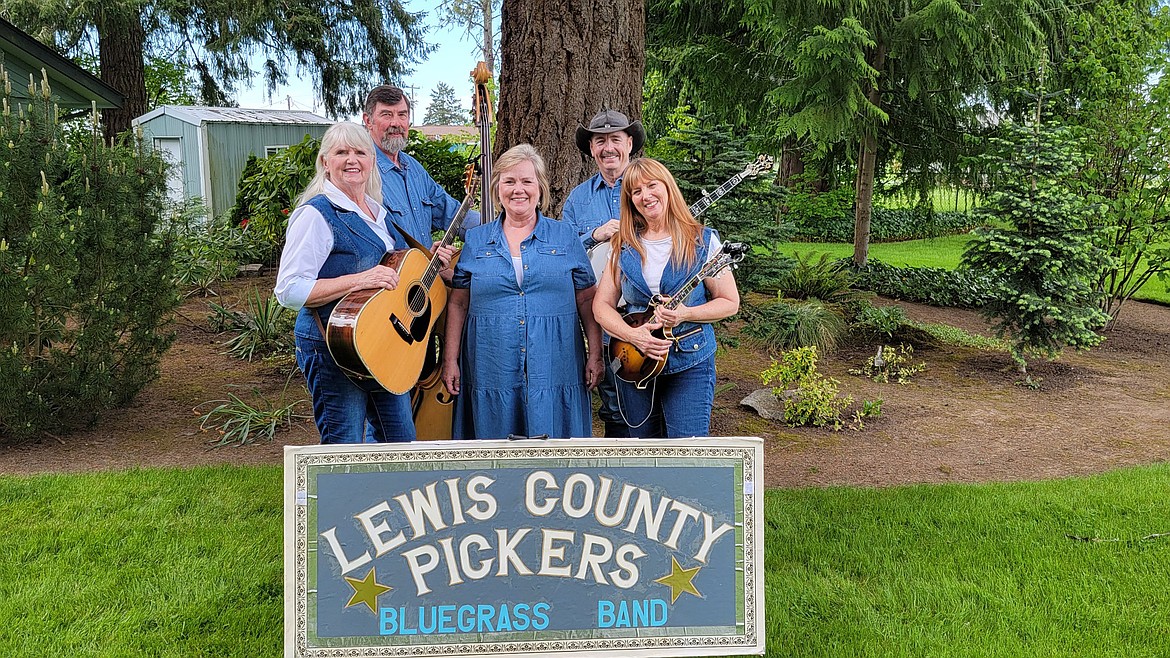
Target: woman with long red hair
point(659, 247)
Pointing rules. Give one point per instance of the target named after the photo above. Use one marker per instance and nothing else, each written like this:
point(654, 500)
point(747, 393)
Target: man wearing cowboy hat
point(592, 207)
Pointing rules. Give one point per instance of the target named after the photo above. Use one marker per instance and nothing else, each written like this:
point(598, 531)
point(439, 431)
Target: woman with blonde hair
point(659, 247)
point(337, 236)
point(521, 294)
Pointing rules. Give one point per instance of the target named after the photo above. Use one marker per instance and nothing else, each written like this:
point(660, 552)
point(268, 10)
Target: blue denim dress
point(523, 351)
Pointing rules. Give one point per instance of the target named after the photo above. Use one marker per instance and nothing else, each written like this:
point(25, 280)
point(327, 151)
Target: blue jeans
point(608, 412)
point(341, 407)
point(672, 406)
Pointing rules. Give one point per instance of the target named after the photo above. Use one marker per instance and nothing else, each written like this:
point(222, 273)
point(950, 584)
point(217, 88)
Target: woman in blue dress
point(521, 293)
point(658, 248)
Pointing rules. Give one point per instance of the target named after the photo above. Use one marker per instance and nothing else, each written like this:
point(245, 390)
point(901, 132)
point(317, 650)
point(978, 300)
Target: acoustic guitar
point(628, 363)
point(385, 334)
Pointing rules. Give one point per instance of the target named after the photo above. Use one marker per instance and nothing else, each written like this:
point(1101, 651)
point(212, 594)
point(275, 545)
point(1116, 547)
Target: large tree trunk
point(561, 63)
point(120, 48)
point(791, 164)
point(866, 167)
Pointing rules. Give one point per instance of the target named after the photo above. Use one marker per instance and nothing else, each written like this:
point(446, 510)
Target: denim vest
point(356, 248)
point(696, 347)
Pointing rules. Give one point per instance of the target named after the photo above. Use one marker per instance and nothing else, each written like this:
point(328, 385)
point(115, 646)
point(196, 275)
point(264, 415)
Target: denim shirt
point(415, 202)
point(356, 248)
point(696, 347)
point(590, 205)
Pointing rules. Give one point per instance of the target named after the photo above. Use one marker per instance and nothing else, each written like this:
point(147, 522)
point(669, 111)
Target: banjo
point(599, 253)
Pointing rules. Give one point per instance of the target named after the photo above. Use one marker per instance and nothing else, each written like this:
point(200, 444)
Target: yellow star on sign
point(366, 591)
point(679, 580)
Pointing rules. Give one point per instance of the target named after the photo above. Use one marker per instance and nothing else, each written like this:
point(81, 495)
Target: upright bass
point(433, 407)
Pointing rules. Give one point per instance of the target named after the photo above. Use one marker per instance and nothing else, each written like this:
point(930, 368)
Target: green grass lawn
point(941, 198)
point(188, 563)
point(942, 252)
point(930, 252)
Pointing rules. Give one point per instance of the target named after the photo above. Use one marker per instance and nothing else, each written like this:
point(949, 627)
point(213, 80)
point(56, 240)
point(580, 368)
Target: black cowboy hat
point(610, 121)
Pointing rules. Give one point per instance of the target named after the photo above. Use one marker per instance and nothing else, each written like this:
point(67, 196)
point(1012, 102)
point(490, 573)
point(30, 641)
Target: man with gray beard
point(416, 203)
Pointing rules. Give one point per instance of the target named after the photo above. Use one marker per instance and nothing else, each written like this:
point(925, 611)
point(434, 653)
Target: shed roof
point(198, 115)
point(73, 86)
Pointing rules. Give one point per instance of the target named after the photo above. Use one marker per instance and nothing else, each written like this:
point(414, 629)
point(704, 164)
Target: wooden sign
point(564, 547)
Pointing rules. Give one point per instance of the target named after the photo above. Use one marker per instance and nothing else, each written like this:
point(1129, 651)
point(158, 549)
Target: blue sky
point(451, 62)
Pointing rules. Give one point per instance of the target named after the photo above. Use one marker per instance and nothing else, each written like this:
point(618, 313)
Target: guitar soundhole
point(417, 299)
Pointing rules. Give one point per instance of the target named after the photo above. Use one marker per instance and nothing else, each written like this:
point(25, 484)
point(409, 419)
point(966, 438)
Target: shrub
point(784, 324)
point(948, 335)
point(890, 362)
point(880, 321)
point(85, 275)
point(830, 281)
point(267, 190)
point(816, 214)
point(1045, 260)
point(929, 285)
point(238, 422)
point(809, 397)
point(443, 159)
point(269, 186)
point(264, 328)
point(763, 271)
point(886, 224)
point(753, 221)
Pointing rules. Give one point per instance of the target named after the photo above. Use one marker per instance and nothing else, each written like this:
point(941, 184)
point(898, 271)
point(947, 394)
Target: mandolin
point(628, 363)
point(385, 334)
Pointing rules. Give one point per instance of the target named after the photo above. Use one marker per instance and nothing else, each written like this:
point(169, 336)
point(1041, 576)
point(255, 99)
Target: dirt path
point(962, 420)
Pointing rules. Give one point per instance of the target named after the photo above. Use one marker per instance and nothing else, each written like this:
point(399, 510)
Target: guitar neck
point(435, 265)
point(698, 207)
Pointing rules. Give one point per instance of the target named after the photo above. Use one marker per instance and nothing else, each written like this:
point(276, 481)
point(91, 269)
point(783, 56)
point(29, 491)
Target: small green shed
point(210, 145)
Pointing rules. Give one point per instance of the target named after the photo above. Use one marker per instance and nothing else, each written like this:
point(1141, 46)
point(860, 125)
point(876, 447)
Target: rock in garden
point(765, 403)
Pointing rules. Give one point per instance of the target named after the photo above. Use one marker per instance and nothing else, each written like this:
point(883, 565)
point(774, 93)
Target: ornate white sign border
point(747, 450)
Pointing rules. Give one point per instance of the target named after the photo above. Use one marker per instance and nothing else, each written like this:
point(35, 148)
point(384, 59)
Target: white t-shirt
point(658, 255)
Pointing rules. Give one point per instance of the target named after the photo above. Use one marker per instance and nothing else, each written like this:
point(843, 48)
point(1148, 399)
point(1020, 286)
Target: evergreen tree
point(889, 78)
point(445, 109)
point(85, 279)
point(1044, 261)
point(703, 155)
point(346, 47)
